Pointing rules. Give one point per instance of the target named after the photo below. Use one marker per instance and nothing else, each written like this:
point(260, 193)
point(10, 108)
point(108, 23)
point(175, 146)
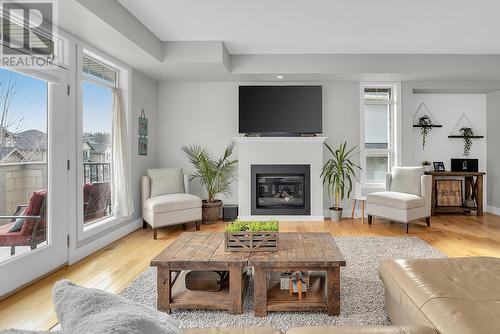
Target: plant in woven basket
point(426, 124)
point(468, 134)
point(338, 173)
point(215, 175)
point(253, 226)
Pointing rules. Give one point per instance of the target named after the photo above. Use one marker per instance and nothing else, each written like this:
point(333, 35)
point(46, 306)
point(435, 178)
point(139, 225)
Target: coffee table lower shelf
point(281, 300)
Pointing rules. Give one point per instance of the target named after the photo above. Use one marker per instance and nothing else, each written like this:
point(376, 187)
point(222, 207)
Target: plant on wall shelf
point(426, 124)
point(337, 175)
point(468, 134)
point(215, 174)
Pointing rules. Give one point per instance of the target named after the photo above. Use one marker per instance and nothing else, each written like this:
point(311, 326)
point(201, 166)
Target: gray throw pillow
point(18, 225)
point(166, 181)
point(83, 310)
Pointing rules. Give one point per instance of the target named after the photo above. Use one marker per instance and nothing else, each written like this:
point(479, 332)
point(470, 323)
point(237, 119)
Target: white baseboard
point(103, 241)
point(283, 218)
point(493, 210)
point(346, 213)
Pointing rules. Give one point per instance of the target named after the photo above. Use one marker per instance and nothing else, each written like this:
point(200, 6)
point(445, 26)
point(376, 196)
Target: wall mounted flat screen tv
point(275, 110)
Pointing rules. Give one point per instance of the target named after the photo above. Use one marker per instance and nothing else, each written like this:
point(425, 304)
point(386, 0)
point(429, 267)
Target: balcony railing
point(96, 172)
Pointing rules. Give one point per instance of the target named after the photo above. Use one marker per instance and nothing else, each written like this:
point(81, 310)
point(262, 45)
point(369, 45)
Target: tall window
point(378, 138)
point(99, 81)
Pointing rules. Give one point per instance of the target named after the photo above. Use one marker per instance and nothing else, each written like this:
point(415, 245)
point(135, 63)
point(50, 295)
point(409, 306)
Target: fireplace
point(280, 189)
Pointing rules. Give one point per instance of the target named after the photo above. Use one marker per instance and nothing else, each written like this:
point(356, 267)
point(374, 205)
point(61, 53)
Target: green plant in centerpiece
point(467, 133)
point(425, 123)
point(253, 226)
point(215, 175)
point(337, 175)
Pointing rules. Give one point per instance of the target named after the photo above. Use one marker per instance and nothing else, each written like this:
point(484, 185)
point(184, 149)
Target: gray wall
point(492, 121)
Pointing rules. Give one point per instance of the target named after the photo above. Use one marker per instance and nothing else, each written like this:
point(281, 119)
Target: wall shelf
point(428, 126)
point(473, 137)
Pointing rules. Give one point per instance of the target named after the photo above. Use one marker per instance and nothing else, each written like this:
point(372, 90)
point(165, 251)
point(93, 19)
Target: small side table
point(362, 199)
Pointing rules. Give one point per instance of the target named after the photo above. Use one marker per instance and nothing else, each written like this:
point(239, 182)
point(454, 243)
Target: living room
point(249, 167)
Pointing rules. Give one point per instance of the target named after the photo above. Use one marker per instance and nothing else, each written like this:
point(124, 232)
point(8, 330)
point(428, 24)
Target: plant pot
point(210, 211)
point(335, 214)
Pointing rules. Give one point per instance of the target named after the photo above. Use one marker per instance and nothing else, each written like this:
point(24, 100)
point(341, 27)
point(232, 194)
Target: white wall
point(493, 120)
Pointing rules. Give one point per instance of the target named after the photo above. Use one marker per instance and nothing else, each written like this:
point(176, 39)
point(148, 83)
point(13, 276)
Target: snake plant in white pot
point(338, 174)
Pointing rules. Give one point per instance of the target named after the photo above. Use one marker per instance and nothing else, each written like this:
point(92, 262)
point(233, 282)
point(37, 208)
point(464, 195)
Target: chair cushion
point(407, 179)
point(82, 310)
point(172, 202)
point(166, 181)
point(395, 200)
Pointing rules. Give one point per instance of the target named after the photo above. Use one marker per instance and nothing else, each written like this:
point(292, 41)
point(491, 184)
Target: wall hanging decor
point(425, 121)
point(464, 130)
point(449, 192)
point(143, 134)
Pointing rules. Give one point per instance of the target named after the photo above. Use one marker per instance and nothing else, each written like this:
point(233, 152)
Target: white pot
point(427, 168)
point(335, 215)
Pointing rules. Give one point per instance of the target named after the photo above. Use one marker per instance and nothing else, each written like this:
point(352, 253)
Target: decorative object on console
point(424, 121)
point(427, 165)
point(465, 165)
point(215, 175)
point(465, 131)
point(439, 166)
point(143, 134)
point(337, 175)
point(252, 236)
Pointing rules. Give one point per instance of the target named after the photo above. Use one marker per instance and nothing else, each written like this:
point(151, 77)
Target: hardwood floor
point(115, 266)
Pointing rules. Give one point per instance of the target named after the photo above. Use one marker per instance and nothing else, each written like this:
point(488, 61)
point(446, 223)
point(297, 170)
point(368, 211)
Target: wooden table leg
point(479, 194)
point(163, 289)
point(363, 212)
point(236, 289)
point(260, 292)
point(333, 290)
point(433, 195)
point(353, 208)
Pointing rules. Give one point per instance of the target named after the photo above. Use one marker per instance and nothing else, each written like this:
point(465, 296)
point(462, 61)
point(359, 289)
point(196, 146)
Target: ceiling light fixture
point(279, 77)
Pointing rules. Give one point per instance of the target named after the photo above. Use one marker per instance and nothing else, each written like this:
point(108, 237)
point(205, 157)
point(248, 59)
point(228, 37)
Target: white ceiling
point(327, 26)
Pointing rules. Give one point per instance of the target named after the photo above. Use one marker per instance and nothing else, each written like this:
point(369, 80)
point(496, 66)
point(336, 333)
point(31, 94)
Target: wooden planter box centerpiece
point(252, 236)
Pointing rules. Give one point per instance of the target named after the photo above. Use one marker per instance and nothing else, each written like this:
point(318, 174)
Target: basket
point(257, 241)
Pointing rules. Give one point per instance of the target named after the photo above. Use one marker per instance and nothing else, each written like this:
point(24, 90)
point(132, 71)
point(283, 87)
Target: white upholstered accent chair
point(407, 197)
point(166, 200)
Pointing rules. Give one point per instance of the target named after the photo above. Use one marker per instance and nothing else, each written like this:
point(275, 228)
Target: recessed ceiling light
point(279, 77)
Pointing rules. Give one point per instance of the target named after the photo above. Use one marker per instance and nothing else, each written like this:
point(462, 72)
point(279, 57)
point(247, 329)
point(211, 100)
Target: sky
point(28, 107)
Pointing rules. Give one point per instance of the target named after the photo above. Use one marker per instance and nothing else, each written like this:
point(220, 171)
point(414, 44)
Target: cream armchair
point(407, 197)
point(166, 200)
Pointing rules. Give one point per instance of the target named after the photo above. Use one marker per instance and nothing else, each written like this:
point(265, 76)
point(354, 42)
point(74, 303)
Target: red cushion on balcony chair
point(36, 207)
point(12, 238)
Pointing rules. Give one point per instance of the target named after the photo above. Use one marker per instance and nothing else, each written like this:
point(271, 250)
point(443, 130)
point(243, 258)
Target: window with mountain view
point(97, 106)
point(23, 163)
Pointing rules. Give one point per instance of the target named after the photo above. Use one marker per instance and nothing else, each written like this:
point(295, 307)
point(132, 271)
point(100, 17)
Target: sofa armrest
point(426, 192)
point(388, 180)
point(186, 183)
point(145, 188)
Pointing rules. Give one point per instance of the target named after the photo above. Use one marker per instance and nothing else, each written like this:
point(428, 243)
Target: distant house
point(25, 146)
point(96, 152)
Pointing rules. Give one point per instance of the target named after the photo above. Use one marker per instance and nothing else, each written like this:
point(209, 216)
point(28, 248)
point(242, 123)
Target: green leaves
point(215, 175)
point(467, 133)
point(339, 171)
point(253, 226)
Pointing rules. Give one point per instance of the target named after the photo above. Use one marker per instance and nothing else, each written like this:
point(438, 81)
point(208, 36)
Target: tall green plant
point(339, 171)
point(215, 175)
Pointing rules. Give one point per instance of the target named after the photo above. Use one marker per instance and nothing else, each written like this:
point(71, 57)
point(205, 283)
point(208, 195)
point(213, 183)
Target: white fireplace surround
point(274, 151)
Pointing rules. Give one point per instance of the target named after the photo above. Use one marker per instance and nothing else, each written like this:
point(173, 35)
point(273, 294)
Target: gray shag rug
point(361, 296)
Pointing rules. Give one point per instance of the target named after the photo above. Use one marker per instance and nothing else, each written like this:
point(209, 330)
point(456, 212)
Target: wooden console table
point(473, 186)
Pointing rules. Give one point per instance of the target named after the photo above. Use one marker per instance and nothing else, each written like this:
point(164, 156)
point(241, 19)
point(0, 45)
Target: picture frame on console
point(439, 166)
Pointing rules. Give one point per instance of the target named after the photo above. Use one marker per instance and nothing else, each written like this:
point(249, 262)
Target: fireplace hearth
point(280, 189)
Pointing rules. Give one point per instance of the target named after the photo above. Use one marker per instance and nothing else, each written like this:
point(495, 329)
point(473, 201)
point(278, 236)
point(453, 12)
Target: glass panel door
point(33, 175)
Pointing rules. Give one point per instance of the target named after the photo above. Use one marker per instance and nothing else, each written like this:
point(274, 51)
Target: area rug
point(362, 292)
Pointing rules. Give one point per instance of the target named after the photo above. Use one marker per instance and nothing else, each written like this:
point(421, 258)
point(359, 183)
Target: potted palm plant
point(338, 173)
point(215, 175)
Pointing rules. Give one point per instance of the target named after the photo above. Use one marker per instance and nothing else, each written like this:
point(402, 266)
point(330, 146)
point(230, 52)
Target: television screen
point(280, 109)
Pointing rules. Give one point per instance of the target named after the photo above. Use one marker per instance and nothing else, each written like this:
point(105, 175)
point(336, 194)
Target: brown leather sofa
point(454, 296)
point(316, 330)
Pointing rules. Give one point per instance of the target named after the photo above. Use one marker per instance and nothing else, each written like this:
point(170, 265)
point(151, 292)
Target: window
point(379, 132)
point(98, 83)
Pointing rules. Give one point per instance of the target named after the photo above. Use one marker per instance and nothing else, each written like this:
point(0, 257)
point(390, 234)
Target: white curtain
point(121, 193)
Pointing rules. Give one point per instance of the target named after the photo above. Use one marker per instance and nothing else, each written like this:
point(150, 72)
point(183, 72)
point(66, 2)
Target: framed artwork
point(449, 192)
point(143, 146)
point(439, 166)
point(143, 124)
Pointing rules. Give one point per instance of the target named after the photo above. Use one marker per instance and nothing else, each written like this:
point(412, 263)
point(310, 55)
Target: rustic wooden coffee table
point(199, 251)
point(313, 252)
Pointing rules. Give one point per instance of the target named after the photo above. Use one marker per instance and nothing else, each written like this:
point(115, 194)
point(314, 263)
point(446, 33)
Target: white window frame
point(395, 138)
point(123, 82)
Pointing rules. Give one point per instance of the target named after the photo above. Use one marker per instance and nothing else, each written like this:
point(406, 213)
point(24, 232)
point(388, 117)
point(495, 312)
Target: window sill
point(100, 225)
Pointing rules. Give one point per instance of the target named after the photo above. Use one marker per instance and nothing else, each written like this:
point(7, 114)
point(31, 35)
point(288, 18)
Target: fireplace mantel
point(280, 150)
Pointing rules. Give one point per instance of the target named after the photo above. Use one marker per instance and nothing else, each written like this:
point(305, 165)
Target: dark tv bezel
point(278, 133)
